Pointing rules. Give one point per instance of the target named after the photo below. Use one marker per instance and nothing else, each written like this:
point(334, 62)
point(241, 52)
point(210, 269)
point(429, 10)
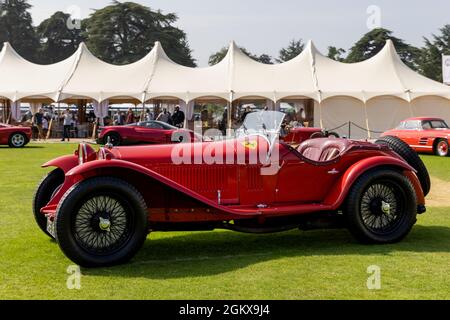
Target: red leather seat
point(323, 150)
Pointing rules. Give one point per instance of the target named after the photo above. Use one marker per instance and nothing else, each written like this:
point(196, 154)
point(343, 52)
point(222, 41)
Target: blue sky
point(266, 26)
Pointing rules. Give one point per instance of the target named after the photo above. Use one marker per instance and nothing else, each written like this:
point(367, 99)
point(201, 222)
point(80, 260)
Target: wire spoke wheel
point(382, 207)
point(103, 224)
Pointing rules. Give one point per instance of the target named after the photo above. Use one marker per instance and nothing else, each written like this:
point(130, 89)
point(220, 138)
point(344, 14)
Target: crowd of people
point(176, 119)
point(42, 119)
point(65, 125)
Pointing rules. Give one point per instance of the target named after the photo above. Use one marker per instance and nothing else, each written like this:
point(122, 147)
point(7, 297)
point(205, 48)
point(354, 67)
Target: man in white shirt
point(67, 124)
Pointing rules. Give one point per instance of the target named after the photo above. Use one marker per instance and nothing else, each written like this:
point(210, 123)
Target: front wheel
point(17, 140)
point(381, 207)
point(45, 191)
point(101, 222)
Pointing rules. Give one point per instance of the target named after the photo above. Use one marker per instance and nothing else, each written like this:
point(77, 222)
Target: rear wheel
point(442, 148)
point(17, 140)
point(411, 157)
point(381, 207)
point(113, 138)
point(101, 222)
point(45, 191)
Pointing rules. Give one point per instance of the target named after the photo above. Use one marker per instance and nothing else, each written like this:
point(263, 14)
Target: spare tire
point(411, 157)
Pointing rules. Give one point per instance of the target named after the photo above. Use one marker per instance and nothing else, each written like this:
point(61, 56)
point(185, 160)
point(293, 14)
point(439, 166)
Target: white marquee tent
point(375, 94)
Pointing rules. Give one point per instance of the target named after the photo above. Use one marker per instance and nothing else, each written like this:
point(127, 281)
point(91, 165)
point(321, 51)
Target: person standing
point(149, 115)
point(45, 127)
point(247, 111)
point(178, 118)
point(38, 117)
point(67, 124)
point(130, 117)
point(164, 116)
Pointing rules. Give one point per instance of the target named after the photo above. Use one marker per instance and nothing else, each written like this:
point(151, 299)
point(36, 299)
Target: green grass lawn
point(438, 167)
point(221, 264)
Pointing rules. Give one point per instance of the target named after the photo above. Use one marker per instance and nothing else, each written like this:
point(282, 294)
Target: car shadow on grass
point(213, 253)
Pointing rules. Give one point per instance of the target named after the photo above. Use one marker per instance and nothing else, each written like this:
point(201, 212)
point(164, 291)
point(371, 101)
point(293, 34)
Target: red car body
point(148, 132)
point(284, 188)
point(424, 135)
point(13, 136)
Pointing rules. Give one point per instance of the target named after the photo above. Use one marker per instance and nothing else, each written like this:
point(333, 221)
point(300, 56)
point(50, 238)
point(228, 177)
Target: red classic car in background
point(100, 206)
point(15, 137)
point(148, 132)
point(427, 135)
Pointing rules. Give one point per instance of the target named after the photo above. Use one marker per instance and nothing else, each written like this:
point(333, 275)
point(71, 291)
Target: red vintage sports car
point(15, 137)
point(100, 206)
point(148, 132)
point(425, 135)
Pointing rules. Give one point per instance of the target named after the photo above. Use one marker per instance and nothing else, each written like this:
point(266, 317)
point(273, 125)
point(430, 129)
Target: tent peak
point(160, 52)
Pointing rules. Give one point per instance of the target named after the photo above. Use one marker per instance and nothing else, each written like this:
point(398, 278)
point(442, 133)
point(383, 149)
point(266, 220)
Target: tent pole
point(229, 114)
point(408, 93)
point(8, 112)
point(4, 111)
point(369, 134)
point(320, 110)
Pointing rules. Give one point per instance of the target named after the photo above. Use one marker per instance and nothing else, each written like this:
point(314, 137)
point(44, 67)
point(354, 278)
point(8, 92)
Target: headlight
point(85, 153)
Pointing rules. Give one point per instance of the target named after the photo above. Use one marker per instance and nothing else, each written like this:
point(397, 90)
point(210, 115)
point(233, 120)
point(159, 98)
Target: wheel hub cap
point(17, 140)
point(385, 207)
point(442, 148)
point(381, 207)
point(105, 224)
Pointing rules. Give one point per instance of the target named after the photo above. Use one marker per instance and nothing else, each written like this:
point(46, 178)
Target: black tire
point(441, 148)
point(369, 203)
point(411, 157)
point(333, 135)
point(79, 230)
point(44, 192)
point(114, 138)
point(17, 140)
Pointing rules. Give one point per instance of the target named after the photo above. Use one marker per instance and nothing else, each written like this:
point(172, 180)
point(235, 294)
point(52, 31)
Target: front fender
point(89, 169)
point(342, 187)
point(65, 163)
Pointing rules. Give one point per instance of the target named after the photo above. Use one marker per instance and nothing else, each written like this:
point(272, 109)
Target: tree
point(294, 48)
point(59, 40)
point(16, 27)
point(430, 61)
point(265, 58)
point(336, 54)
point(374, 41)
point(215, 58)
point(123, 33)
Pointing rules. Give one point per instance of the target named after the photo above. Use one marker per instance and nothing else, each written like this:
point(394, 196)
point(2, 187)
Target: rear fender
point(65, 163)
point(342, 187)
